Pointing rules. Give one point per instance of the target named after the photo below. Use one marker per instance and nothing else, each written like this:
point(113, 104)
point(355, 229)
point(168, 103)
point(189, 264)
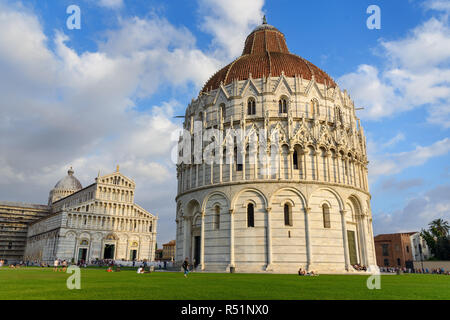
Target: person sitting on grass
point(118, 269)
point(301, 272)
point(109, 269)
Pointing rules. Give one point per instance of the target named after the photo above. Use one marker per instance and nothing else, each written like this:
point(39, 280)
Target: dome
point(69, 182)
point(266, 53)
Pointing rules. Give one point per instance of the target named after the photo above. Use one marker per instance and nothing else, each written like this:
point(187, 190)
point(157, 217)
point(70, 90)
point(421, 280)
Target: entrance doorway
point(133, 255)
point(109, 251)
point(197, 249)
point(82, 254)
point(352, 247)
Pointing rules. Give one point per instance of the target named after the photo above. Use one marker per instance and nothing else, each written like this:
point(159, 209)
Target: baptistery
point(272, 168)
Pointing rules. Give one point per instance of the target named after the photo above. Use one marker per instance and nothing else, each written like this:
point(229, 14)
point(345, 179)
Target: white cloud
point(113, 4)
point(230, 22)
point(417, 74)
point(393, 163)
point(417, 213)
point(394, 140)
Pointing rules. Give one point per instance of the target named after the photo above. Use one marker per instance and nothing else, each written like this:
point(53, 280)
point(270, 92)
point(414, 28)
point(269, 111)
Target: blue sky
point(107, 93)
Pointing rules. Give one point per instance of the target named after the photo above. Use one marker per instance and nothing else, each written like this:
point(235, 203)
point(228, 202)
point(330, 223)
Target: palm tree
point(439, 228)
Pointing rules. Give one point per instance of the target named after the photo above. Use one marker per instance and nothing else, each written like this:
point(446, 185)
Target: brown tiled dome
point(266, 53)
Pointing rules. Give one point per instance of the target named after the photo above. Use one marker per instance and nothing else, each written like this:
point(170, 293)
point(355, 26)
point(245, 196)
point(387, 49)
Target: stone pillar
point(291, 163)
point(365, 255)
point(244, 156)
point(345, 240)
point(269, 241)
point(196, 175)
point(232, 264)
point(202, 243)
point(309, 253)
point(337, 165)
point(186, 237)
point(328, 166)
point(203, 182)
point(305, 163)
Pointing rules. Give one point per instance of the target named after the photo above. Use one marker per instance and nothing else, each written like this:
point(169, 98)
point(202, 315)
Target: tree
point(437, 238)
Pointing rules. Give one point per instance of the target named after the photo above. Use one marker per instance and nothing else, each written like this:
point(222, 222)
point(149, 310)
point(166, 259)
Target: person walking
point(186, 267)
point(55, 265)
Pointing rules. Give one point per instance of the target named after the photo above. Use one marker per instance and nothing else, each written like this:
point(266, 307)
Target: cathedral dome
point(69, 182)
point(266, 54)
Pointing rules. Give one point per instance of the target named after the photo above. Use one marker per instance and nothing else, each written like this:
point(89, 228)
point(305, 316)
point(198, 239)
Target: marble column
point(232, 263)
point(309, 253)
point(202, 243)
point(269, 240)
point(345, 240)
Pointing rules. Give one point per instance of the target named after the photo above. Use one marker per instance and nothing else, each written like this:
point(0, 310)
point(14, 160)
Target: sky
point(107, 94)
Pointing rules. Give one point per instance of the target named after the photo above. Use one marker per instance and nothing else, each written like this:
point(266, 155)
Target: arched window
point(250, 215)
point(238, 160)
point(217, 217)
point(314, 108)
point(326, 216)
point(224, 156)
point(251, 107)
point(282, 105)
point(295, 160)
point(287, 215)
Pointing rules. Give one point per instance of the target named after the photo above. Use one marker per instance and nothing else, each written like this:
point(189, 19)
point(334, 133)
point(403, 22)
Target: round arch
point(335, 193)
point(206, 199)
point(237, 195)
point(297, 192)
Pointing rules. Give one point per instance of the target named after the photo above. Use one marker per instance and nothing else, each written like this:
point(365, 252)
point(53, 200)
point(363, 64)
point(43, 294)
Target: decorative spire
point(117, 168)
point(70, 172)
point(264, 20)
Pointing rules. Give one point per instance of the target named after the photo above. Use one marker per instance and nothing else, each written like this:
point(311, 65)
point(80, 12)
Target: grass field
point(37, 283)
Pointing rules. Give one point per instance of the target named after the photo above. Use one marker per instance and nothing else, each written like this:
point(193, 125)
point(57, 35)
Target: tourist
point(55, 265)
point(110, 269)
point(64, 264)
point(186, 267)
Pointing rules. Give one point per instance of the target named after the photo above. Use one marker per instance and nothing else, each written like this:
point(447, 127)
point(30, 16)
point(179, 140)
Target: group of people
point(359, 267)
point(58, 263)
point(302, 272)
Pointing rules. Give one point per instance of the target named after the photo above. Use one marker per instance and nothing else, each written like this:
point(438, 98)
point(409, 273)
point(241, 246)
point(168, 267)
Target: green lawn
point(37, 283)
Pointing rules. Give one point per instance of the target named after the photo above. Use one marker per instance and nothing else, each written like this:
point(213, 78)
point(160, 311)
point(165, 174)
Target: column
point(291, 163)
point(365, 260)
point(196, 175)
point(344, 236)
point(305, 163)
point(269, 241)
point(204, 172)
point(186, 239)
point(328, 166)
point(202, 243)
point(309, 255)
point(338, 167)
point(231, 238)
point(244, 157)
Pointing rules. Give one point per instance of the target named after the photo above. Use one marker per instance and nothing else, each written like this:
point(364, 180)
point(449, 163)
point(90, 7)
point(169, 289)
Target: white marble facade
point(100, 221)
point(311, 202)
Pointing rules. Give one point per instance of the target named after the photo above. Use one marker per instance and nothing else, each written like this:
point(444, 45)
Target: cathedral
point(100, 221)
point(272, 168)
